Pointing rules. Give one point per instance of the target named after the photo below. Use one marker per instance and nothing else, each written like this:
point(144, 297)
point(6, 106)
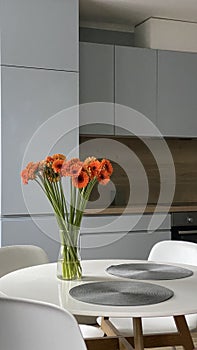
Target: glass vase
point(69, 262)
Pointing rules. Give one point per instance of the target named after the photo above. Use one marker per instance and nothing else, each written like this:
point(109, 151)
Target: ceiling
point(125, 14)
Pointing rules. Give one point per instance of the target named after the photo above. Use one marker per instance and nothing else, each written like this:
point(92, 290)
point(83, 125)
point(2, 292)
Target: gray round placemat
point(121, 293)
point(149, 271)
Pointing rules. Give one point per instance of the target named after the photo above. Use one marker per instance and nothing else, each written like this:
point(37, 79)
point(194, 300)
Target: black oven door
point(183, 233)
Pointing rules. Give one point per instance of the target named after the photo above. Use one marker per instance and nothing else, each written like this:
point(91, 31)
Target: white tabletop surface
point(40, 283)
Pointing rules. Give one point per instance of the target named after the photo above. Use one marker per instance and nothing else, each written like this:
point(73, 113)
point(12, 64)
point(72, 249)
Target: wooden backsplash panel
point(184, 153)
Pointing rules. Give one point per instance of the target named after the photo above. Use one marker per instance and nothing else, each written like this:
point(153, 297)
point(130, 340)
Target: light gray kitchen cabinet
point(113, 237)
point(34, 102)
point(39, 231)
point(135, 85)
point(125, 245)
point(177, 93)
point(96, 85)
point(40, 33)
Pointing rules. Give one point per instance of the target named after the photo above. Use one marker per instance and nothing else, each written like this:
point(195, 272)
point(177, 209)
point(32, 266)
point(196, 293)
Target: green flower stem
point(69, 260)
point(69, 223)
point(72, 201)
point(83, 197)
point(63, 201)
point(51, 190)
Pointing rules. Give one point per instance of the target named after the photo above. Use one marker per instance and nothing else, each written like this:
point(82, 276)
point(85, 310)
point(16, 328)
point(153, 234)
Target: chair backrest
point(30, 325)
point(174, 251)
point(19, 256)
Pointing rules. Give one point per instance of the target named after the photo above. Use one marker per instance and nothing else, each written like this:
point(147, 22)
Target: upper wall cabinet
point(177, 93)
point(96, 85)
point(36, 120)
point(135, 85)
point(40, 33)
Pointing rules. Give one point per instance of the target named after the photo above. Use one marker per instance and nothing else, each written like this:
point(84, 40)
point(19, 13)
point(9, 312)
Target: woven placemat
point(121, 293)
point(149, 271)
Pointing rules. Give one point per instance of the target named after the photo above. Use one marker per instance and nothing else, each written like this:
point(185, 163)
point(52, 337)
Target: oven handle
point(187, 232)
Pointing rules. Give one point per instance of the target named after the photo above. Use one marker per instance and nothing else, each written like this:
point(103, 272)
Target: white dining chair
point(20, 256)
point(167, 252)
point(31, 325)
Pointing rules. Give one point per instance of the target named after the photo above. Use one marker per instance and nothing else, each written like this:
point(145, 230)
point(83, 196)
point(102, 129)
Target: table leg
point(108, 343)
point(138, 333)
point(109, 329)
point(184, 332)
point(105, 343)
point(124, 344)
point(182, 337)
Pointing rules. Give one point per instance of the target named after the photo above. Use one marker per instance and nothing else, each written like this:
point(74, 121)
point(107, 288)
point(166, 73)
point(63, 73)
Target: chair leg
point(138, 333)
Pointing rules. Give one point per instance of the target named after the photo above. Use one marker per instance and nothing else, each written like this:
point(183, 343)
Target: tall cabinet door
point(96, 85)
point(135, 85)
point(31, 97)
point(40, 33)
point(177, 93)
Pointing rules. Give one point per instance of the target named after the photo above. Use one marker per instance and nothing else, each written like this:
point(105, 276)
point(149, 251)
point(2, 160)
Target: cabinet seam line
point(114, 109)
point(40, 68)
point(157, 85)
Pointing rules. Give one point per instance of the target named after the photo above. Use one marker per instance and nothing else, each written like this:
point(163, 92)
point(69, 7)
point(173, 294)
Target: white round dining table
point(41, 283)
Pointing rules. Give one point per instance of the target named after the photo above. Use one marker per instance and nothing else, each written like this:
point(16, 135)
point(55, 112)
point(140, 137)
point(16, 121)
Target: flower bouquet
point(48, 174)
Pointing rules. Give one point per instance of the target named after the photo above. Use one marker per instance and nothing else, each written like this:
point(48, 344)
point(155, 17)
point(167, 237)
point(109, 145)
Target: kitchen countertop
point(150, 208)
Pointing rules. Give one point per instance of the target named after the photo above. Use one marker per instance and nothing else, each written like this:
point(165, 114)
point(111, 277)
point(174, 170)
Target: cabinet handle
point(187, 232)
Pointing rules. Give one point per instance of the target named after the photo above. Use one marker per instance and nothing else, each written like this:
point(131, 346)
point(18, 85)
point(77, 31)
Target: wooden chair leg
point(138, 333)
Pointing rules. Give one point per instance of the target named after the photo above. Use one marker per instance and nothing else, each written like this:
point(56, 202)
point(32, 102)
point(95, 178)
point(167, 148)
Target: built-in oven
point(184, 226)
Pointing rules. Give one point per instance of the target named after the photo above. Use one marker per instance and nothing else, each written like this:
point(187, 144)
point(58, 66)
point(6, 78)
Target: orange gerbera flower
point(29, 173)
point(103, 177)
point(59, 156)
point(72, 167)
point(81, 180)
point(49, 159)
point(106, 166)
point(29, 165)
point(93, 168)
point(89, 160)
point(57, 165)
point(24, 175)
point(32, 169)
